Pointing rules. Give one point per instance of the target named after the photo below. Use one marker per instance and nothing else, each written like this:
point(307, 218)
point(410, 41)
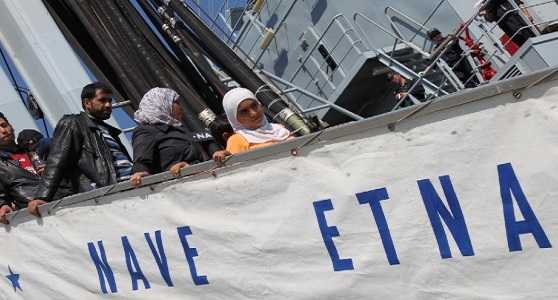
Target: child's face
point(250, 114)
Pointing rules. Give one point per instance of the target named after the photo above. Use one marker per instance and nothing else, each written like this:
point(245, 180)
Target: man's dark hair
point(2, 116)
point(433, 33)
point(89, 90)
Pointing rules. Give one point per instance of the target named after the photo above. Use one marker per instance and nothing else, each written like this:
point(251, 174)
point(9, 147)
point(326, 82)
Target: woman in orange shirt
point(252, 129)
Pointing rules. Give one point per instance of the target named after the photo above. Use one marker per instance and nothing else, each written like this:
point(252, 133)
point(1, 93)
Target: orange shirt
point(237, 144)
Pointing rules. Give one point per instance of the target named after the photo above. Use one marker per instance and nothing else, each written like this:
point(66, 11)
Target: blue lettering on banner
point(454, 220)
point(190, 253)
point(328, 233)
point(509, 185)
point(103, 268)
point(133, 266)
point(159, 256)
point(373, 198)
point(439, 213)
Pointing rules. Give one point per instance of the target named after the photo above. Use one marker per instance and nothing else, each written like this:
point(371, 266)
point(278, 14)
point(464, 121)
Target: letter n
point(453, 218)
point(103, 268)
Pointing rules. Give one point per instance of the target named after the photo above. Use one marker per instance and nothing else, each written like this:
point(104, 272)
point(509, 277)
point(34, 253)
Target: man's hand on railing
point(135, 180)
point(33, 207)
point(175, 169)
point(4, 211)
point(220, 156)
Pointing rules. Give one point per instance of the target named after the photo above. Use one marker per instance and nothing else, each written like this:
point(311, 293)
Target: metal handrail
point(434, 11)
point(283, 20)
point(316, 45)
point(428, 84)
point(311, 95)
point(431, 85)
point(489, 31)
point(405, 16)
point(379, 26)
point(519, 10)
point(438, 56)
point(497, 50)
point(510, 40)
point(445, 68)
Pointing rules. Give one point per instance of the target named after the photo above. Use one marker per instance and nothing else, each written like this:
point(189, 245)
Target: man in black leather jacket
point(85, 152)
point(19, 179)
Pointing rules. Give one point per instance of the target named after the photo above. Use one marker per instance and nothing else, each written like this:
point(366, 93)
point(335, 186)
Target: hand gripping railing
point(334, 20)
point(391, 34)
point(437, 55)
point(391, 60)
point(530, 25)
point(421, 27)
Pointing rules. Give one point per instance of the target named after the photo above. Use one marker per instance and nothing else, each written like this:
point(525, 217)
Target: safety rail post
point(281, 23)
point(393, 61)
point(438, 53)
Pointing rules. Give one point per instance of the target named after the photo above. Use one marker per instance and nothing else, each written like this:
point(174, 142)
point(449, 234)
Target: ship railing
point(336, 20)
point(495, 56)
point(289, 88)
point(393, 63)
point(488, 34)
point(534, 27)
point(233, 36)
point(422, 28)
point(292, 147)
point(391, 12)
point(252, 13)
point(325, 77)
point(436, 57)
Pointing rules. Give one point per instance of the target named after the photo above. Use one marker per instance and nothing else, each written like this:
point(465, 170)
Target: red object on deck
point(478, 54)
point(509, 45)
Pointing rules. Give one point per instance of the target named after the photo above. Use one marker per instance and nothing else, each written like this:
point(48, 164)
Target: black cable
point(20, 88)
point(12, 76)
point(46, 128)
point(212, 90)
point(236, 67)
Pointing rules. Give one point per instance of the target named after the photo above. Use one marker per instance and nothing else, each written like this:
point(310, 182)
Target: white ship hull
point(264, 226)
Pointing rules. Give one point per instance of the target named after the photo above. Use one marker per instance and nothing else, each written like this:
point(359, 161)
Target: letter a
point(509, 185)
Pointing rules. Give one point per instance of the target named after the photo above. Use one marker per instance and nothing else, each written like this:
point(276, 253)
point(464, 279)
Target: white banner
point(460, 204)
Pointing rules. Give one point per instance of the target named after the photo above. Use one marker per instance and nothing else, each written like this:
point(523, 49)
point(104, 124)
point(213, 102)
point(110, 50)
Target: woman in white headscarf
point(160, 141)
point(252, 129)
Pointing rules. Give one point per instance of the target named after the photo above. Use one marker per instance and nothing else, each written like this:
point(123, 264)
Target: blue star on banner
point(14, 280)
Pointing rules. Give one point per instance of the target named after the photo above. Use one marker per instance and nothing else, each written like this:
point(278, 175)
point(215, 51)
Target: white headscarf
point(156, 107)
point(267, 132)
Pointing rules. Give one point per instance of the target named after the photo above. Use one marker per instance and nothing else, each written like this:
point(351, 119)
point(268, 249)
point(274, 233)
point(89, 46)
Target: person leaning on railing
point(509, 19)
point(161, 142)
point(19, 179)
point(251, 128)
point(454, 55)
point(402, 89)
point(85, 152)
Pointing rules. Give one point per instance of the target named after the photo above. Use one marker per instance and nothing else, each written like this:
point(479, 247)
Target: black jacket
point(158, 147)
point(17, 185)
point(512, 23)
point(79, 158)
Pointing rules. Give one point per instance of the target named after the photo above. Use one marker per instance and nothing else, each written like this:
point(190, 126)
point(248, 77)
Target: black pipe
point(89, 61)
point(115, 58)
point(128, 42)
point(212, 95)
point(194, 51)
point(191, 99)
point(233, 65)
